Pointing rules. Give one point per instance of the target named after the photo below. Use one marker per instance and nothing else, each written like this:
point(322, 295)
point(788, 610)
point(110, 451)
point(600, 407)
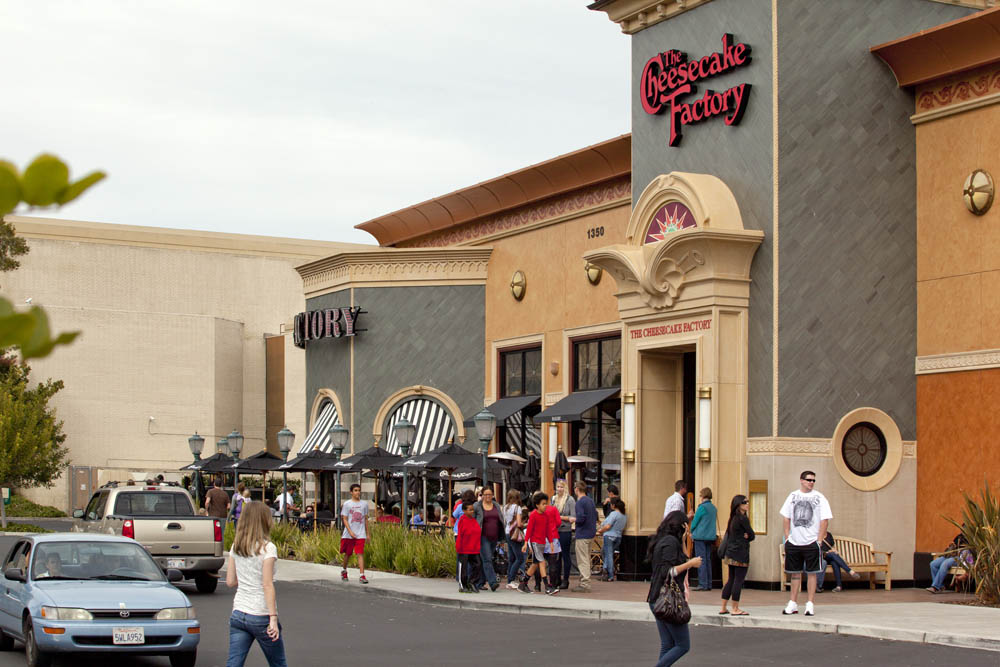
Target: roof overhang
point(635, 15)
point(956, 46)
point(566, 173)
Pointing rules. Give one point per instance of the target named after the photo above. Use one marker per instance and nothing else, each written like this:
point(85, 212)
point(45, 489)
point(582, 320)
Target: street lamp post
point(235, 441)
point(486, 425)
point(196, 443)
point(285, 440)
point(338, 438)
point(405, 431)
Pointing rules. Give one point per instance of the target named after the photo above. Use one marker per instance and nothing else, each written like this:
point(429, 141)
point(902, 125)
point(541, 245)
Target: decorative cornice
point(959, 88)
point(551, 211)
point(635, 15)
point(971, 4)
point(788, 446)
point(806, 447)
point(460, 266)
point(958, 361)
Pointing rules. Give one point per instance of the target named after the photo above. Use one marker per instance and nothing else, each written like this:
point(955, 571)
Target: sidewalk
point(911, 615)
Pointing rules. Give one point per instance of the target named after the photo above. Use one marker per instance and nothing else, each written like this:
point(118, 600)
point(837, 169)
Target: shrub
point(228, 535)
point(405, 560)
point(385, 540)
point(21, 506)
point(434, 555)
point(981, 527)
point(26, 528)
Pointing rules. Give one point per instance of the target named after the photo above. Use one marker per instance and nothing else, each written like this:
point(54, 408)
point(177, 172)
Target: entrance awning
point(571, 408)
point(506, 407)
point(319, 436)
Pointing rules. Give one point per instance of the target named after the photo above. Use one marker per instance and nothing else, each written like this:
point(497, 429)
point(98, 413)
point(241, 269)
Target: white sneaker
point(809, 609)
point(790, 608)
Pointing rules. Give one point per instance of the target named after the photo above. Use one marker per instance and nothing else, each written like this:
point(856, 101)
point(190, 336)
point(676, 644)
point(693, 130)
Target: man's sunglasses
point(806, 479)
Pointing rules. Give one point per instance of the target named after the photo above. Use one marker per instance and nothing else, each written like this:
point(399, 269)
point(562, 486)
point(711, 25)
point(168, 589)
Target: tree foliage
point(31, 437)
point(45, 182)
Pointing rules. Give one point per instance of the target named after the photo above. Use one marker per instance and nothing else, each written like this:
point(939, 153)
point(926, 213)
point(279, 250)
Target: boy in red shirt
point(535, 536)
point(553, 548)
point(468, 542)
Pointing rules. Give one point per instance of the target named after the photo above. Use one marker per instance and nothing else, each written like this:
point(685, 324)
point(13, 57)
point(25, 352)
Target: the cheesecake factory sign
point(327, 323)
point(669, 78)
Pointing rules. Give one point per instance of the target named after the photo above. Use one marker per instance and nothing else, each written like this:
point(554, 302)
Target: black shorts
point(806, 558)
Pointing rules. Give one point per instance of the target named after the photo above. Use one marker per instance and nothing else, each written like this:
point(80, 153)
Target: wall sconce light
point(518, 285)
point(758, 505)
point(554, 368)
point(553, 442)
point(594, 273)
point(705, 424)
point(977, 193)
point(628, 426)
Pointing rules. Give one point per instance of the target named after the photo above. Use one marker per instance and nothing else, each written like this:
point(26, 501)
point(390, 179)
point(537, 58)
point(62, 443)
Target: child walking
point(467, 545)
point(534, 540)
point(355, 514)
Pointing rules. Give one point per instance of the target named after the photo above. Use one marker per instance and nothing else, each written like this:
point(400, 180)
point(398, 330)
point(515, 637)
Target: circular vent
point(864, 449)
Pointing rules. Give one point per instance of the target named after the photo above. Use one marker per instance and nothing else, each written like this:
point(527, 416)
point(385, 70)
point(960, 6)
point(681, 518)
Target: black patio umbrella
point(262, 461)
point(218, 463)
point(313, 461)
point(448, 457)
point(373, 458)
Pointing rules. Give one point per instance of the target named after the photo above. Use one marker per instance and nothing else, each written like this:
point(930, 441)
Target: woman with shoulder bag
point(515, 538)
point(669, 564)
point(735, 552)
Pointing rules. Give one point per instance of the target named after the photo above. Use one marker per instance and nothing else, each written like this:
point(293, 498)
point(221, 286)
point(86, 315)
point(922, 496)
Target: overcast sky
point(302, 119)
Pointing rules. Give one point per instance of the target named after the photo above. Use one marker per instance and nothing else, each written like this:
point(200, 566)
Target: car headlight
point(176, 614)
point(66, 614)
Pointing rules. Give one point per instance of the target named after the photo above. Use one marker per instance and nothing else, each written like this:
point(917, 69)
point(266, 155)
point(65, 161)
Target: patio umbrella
point(315, 461)
point(450, 457)
point(218, 463)
point(262, 461)
point(508, 459)
point(373, 458)
point(581, 459)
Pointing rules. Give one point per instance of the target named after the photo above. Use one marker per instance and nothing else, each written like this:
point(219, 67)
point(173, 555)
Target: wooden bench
point(955, 571)
point(858, 554)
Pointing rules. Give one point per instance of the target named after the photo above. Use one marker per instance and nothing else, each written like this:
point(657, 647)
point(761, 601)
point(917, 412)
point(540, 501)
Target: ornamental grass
point(980, 525)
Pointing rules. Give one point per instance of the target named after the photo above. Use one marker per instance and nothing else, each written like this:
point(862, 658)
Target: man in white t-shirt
point(283, 499)
point(675, 503)
point(805, 515)
point(355, 514)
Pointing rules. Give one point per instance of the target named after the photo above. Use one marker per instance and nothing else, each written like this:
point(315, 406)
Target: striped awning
point(532, 440)
point(434, 426)
point(319, 436)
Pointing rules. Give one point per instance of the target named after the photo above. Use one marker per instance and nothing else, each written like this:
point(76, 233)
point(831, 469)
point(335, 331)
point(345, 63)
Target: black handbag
point(723, 545)
point(670, 605)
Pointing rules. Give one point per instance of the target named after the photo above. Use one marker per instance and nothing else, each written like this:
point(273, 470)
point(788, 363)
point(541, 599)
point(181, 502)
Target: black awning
point(505, 407)
point(571, 408)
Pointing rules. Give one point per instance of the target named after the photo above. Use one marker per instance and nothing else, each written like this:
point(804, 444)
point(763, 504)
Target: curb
point(846, 629)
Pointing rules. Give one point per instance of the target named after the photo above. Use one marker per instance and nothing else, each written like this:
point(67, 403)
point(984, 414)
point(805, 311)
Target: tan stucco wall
point(168, 332)
point(884, 517)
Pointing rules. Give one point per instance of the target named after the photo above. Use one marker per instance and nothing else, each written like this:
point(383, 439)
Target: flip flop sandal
point(741, 613)
point(723, 613)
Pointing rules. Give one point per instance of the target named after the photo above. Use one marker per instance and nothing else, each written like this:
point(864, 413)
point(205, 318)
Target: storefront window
point(522, 372)
point(598, 363)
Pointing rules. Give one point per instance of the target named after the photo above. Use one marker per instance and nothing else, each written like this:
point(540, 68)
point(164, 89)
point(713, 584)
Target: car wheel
point(206, 583)
point(6, 641)
point(185, 659)
point(32, 656)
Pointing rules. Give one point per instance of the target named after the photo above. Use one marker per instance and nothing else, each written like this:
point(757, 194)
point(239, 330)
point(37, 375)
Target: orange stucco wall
point(957, 427)
point(958, 310)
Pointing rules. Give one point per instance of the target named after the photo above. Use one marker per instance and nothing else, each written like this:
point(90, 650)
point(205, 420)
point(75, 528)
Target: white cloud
point(303, 119)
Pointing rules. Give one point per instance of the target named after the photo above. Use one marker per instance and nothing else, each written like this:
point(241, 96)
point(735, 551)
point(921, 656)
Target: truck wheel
point(185, 659)
point(32, 656)
point(206, 583)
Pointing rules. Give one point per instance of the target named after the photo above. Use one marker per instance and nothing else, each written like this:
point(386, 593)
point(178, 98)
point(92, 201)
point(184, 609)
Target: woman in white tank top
point(252, 560)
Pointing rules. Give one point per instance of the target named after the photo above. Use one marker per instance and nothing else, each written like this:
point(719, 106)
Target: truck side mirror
point(77, 514)
point(14, 574)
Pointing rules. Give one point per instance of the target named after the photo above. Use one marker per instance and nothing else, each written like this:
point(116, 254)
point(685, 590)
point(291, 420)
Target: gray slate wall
point(739, 155)
point(432, 336)
point(847, 213)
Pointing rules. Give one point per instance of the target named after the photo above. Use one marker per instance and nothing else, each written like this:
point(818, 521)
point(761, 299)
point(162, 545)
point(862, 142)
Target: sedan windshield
point(93, 560)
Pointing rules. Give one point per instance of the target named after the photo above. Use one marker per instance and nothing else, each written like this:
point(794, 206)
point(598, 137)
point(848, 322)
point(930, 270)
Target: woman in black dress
point(737, 556)
point(669, 560)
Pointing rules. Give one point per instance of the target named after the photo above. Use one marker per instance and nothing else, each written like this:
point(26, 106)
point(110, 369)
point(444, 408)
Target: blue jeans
point(703, 549)
point(515, 559)
point(608, 553)
point(675, 641)
point(487, 548)
point(837, 563)
point(939, 570)
point(243, 630)
point(566, 557)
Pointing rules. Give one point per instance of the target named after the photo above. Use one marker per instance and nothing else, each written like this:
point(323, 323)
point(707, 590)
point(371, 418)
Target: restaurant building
point(735, 292)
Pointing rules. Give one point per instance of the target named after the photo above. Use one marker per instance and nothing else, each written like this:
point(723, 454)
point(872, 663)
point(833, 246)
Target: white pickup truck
point(161, 518)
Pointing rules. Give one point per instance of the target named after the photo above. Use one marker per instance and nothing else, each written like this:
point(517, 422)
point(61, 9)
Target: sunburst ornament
point(671, 217)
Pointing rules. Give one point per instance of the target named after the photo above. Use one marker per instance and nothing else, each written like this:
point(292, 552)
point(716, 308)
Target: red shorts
point(349, 546)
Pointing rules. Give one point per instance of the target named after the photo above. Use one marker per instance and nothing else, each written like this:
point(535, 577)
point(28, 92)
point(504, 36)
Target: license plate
point(175, 562)
point(128, 636)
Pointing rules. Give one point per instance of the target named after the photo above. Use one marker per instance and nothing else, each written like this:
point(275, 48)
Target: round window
point(864, 449)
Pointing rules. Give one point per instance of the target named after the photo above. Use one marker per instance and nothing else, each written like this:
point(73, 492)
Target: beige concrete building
point(182, 331)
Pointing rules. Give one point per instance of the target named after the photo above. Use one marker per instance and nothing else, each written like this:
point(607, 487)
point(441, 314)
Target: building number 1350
point(595, 232)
